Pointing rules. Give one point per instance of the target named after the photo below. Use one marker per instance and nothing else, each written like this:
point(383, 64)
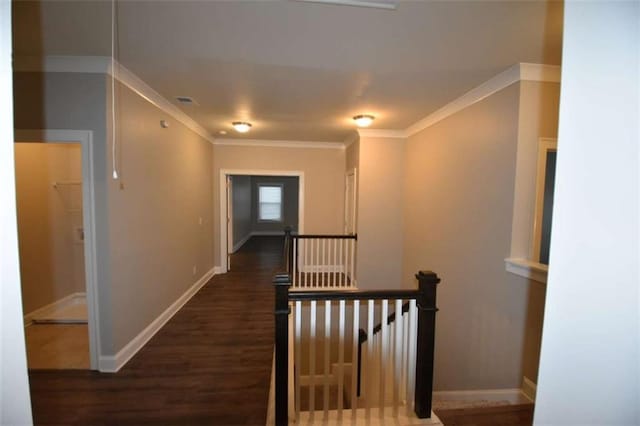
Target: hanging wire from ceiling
point(113, 90)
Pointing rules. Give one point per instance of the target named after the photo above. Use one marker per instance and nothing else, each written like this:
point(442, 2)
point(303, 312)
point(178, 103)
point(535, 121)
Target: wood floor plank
point(210, 364)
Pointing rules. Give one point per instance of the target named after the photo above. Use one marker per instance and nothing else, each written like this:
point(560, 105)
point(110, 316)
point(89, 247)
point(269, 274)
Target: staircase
point(348, 356)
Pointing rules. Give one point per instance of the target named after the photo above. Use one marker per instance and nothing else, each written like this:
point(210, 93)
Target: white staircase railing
point(338, 373)
point(321, 261)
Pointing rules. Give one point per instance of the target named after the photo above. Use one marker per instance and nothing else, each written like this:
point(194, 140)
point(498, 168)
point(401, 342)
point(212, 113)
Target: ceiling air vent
point(186, 100)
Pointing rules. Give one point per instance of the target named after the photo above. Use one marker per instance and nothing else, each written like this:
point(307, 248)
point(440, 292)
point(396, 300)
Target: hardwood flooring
point(57, 346)
point(210, 364)
point(506, 415)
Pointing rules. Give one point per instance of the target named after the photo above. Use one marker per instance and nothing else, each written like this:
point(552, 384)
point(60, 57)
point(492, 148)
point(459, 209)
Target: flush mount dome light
point(363, 120)
point(241, 126)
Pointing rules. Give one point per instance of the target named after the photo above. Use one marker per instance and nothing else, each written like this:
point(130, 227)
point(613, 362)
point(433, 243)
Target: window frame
point(281, 216)
point(545, 146)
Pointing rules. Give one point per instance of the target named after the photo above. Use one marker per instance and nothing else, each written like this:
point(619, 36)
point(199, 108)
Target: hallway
point(210, 364)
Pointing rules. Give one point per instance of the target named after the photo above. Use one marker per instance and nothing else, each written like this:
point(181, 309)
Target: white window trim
point(281, 186)
point(545, 145)
point(524, 261)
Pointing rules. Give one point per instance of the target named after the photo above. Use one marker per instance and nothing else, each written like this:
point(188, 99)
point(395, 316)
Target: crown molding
point(103, 65)
point(540, 72)
point(279, 144)
point(518, 72)
point(353, 137)
point(382, 133)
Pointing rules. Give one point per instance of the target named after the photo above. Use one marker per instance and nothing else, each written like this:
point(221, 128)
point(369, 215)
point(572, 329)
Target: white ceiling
point(298, 70)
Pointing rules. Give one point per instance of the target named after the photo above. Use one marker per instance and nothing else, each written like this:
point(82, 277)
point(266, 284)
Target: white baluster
point(384, 352)
point(397, 357)
point(334, 268)
point(354, 361)
point(293, 266)
point(341, 308)
point(296, 350)
point(353, 270)
point(370, 358)
point(305, 263)
point(327, 356)
point(342, 263)
point(312, 357)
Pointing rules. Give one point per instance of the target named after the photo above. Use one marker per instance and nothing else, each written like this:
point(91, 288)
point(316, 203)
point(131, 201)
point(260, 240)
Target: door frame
point(350, 172)
point(85, 138)
point(223, 203)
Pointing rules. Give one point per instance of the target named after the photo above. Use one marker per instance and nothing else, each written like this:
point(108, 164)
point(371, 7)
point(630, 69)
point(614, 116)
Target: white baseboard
point(267, 233)
point(217, 270)
point(529, 388)
point(58, 304)
point(113, 363)
point(240, 243)
point(514, 396)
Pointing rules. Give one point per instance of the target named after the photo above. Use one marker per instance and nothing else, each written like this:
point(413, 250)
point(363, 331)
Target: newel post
point(426, 303)
point(282, 283)
point(288, 245)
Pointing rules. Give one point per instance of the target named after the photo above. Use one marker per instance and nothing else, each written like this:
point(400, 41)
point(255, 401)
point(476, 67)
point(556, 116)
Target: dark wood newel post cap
point(427, 276)
point(282, 279)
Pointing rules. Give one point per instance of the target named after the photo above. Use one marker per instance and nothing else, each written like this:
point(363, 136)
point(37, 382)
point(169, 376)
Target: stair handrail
point(425, 296)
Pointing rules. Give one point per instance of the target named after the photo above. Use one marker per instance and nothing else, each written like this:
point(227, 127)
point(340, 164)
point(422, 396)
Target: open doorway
point(54, 193)
point(258, 205)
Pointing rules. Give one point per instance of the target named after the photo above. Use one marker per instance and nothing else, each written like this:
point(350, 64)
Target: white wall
point(589, 368)
point(15, 403)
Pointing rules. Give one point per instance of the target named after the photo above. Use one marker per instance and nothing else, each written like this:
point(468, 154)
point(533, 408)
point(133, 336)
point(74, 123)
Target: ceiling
point(298, 70)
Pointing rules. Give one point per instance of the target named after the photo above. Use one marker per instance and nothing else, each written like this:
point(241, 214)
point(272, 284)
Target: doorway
point(54, 194)
point(257, 203)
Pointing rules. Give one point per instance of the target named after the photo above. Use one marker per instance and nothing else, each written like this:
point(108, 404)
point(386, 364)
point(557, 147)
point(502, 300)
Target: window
point(270, 203)
point(546, 177)
point(533, 207)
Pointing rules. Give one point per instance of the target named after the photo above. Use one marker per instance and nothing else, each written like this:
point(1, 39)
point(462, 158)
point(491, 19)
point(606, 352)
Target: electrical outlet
point(199, 221)
point(195, 269)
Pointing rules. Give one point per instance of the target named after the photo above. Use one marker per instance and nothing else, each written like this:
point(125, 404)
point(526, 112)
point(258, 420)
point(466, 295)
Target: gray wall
point(149, 235)
point(75, 101)
point(458, 209)
point(289, 203)
point(379, 212)
point(241, 193)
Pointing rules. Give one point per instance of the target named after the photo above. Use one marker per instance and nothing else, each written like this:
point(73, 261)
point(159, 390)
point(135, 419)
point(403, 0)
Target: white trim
point(278, 144)
point(240, 243)
point(356, 3)
point(545, 145)
point(102, 65)
point(85, 138)
point(350, 139)
point(68, 300)
point(223, 203)
point(518, 72)
point(113, 363)
point(217, 270)
point(514, 396)
point(145, 91)
point(529, 388)
point(527, 269)
point(267, 233)
point(540, 72)
point(382, 133)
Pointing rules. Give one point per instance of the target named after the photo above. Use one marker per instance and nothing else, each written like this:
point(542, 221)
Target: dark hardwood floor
point(507, 415)
point(210, 364)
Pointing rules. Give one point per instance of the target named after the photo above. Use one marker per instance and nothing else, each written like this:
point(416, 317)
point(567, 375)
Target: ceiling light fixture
point(363, 120)
point(241, 126)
